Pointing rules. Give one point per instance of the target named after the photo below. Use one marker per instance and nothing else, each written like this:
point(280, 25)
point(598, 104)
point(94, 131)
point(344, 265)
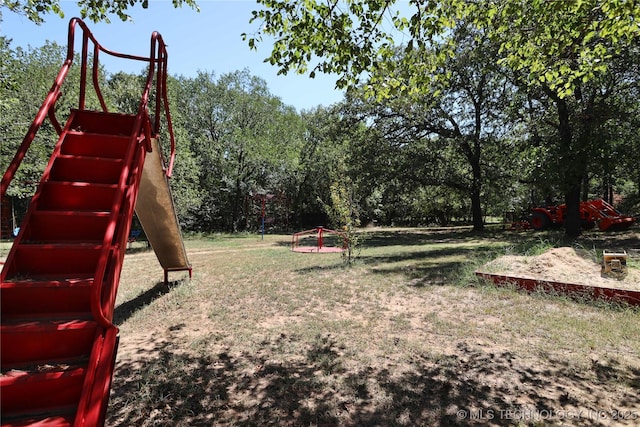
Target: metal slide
point(156, 212)
point(58, 342)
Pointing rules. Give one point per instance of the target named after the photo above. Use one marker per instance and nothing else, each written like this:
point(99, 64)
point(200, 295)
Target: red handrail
point(102, 301)
point(47, 107)
point(90, 409)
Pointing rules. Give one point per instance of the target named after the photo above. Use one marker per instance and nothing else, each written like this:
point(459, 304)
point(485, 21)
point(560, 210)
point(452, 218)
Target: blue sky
point(206, 41)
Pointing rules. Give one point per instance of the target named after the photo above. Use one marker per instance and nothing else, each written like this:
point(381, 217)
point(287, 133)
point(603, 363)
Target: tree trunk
point(572, 223)
point(573, 168)
point(476, 210)
point(610, 195)
point(473, 155)
point(585, 187)
point(235, 209)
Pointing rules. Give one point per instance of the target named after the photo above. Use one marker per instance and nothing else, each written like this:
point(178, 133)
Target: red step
point(66, 226)
point(65, 419)
point(86, 169)
point(92, 145)
point(102, 123)
point(54, 388)
point(26, 342)
point(37, 299)
point(53, 261)
point(76, 196)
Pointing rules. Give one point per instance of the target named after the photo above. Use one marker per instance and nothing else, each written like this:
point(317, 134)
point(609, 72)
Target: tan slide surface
point(157, 214)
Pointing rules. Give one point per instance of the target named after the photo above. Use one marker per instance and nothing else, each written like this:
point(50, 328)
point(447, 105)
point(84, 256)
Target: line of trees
point(562, 55)
point(477, 138)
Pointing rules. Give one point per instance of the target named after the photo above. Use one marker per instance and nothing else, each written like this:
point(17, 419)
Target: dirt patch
point(562, 265)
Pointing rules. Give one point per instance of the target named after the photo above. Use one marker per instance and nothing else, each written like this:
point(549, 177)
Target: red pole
point(320, 239)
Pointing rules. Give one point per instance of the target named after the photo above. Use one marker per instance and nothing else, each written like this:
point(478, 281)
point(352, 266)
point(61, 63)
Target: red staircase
point(59, 282)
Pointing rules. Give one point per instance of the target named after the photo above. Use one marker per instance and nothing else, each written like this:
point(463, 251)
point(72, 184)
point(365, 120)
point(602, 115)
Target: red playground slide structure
point(58, 342)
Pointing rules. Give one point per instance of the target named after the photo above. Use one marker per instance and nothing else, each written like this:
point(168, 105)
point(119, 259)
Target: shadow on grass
point(437, 266)
point(427, 254)
point(428, 267)
point(419, 236)
point(373, 238)
point(469, 386)
point(138, 246)
point(434, 257)
point(439, 263)
point(612, 240)
point(127, 309)
point(521, 241)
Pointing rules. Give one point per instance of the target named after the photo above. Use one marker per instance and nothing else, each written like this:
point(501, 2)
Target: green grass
point(405, 335)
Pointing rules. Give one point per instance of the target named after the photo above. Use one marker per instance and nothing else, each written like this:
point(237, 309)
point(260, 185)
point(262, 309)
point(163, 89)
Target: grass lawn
point(405, 336)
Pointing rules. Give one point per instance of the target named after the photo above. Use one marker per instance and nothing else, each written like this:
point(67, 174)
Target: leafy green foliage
point(324, 147)
point(552, 47)
point(301, 30)
point(30, 75)
point(95, 10)
point(560, 44)
point(452, 134)
point(247, 142)
point(343, 213)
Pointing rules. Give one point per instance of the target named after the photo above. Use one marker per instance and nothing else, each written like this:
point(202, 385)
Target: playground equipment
point(320, 244)
point(592, 212)
point(59, 283)
point(262, 198)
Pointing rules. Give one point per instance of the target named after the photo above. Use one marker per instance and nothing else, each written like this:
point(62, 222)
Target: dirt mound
point(561, 265)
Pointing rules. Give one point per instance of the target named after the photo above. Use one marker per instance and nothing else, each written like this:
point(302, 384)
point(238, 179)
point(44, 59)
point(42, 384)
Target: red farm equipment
point(592, 212)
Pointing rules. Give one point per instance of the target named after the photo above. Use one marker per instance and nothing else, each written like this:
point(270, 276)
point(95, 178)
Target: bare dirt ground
point(263, 336)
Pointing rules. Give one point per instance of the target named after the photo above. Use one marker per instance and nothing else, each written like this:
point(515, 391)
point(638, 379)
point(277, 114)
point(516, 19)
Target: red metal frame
point(319, 232)
point(158, 55)
point(92, 406)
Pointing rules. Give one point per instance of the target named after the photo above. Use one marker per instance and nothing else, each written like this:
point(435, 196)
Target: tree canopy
point(560, 43)
point(95, 10)
point(556, 48)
